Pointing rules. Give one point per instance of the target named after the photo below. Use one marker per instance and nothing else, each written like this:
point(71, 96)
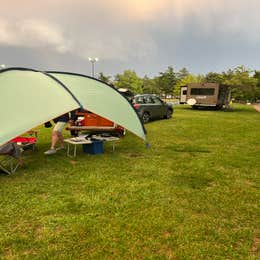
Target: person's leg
point(58, 134)
point(61, 139)
point(54, 139)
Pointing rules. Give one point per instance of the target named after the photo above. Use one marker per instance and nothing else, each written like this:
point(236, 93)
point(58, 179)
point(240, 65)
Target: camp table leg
point(113, 144)
point(68, 150)
point(74, 150)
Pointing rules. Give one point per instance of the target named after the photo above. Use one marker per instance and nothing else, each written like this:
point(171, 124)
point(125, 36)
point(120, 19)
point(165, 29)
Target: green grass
point(193, 195)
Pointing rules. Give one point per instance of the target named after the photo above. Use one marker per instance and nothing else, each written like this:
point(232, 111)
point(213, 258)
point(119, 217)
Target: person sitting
point(57, 136)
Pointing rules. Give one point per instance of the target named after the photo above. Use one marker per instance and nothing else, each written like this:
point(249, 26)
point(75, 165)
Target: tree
point(243, 86)
point(257, 77)
point(104, 78)
point(150, 86)
point(129, 80)
point(166, 81)
point(182, 73)
point(191, 78)
point(213, 77)
point(257, 89)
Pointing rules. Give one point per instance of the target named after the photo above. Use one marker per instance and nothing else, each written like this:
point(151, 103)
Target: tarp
point(29, 98)
point(102, 99)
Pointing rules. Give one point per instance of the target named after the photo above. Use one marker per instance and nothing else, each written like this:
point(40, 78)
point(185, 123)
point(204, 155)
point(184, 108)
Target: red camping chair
point(26, 142)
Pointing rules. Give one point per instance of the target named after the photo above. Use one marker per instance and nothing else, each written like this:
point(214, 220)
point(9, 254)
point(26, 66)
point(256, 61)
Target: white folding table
point(75, 141)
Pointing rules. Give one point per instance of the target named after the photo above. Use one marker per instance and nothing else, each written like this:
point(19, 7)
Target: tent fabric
point(30, 98)
point(102, 99)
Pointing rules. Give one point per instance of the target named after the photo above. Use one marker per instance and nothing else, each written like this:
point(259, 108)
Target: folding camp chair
point(26, 142)
point(11, 152)
point(10, 158)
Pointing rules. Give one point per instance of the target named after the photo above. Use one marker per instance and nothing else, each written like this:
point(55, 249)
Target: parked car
point(150, 107)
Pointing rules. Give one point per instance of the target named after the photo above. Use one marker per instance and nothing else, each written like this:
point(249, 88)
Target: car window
point(156, 100)
point(148, 100)
point(138, 100)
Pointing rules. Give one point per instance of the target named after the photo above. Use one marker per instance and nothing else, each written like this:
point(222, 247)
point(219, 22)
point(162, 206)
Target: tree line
point(244, 83)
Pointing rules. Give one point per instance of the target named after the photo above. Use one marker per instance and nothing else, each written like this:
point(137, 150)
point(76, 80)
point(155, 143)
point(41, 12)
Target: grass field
point(193, 195)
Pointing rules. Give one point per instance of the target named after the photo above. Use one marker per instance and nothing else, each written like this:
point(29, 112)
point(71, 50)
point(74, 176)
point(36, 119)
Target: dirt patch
point(257, 107)
point(256, 245)
point(73, 162)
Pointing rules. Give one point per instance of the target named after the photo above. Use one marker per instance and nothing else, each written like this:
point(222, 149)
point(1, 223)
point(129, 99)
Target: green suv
point(150, 107)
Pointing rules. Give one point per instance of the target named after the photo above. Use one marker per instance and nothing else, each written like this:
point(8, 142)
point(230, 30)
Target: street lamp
point(93, 60)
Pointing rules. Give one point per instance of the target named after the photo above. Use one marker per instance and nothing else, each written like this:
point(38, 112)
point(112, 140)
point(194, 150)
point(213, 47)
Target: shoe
point(51, 151)
point(60, 148)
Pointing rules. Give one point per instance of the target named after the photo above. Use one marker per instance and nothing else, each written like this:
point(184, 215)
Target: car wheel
point(168, 114)
point(145, 117)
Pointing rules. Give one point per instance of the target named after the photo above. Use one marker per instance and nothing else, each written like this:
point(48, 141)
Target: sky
point(146, 36)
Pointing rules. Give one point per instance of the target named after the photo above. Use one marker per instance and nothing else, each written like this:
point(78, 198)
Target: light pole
point(93, 60)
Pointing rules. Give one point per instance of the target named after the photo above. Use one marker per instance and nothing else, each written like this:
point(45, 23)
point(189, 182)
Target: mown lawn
point(193, 195)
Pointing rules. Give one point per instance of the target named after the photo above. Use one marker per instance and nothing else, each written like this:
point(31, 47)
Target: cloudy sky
point(142, 35)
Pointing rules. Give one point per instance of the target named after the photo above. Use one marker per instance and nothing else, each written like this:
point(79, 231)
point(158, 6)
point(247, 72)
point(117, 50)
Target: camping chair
point(10, 157)
point(11, 152)
point(26, 142)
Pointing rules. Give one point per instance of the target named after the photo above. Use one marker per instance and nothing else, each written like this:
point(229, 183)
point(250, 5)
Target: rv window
point(202, 91)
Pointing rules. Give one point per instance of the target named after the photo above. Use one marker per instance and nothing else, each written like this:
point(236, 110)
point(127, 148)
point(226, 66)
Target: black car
point(150, 107)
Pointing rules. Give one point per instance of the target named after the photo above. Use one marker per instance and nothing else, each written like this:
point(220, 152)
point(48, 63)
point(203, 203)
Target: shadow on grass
point(186, 149)
point(237, 108)
point(193, 182)
point(189, 108)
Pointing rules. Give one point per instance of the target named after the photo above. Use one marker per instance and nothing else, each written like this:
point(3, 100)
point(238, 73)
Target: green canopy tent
point(102, 99)
point(29, 98)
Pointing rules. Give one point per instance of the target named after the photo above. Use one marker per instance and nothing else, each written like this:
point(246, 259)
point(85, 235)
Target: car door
point(150, 107)
point(159, 107)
